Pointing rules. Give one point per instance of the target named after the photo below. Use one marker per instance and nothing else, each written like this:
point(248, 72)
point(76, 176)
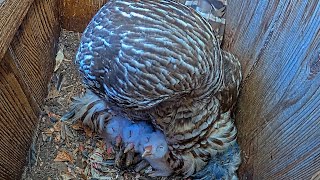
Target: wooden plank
point(75, 14)
point(278, 117)
point(24, 74)
point(34, 47)
point(17, 121)
point(12, 13)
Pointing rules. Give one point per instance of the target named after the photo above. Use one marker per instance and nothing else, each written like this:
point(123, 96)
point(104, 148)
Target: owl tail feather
point(90, 109)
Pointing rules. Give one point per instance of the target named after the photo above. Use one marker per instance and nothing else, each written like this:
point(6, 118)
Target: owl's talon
point(130, 147)
point(119, 158)
point(141, 165)
point(129, 158)
point(124, 160)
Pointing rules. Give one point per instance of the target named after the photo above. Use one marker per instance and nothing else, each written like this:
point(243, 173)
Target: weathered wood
point(17, 123)
point(12, 13)
point(24, 74)
point(75, 15)
point(278, 117)
point(34, 47)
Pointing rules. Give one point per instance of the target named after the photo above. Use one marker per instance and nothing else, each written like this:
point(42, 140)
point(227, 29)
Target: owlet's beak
point(147, 151)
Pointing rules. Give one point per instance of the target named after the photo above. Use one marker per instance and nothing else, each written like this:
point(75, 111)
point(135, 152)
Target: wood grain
point(34, 47)
point(75, 14)
point(17, 121)
point(278, 117)
point(12, 13)
point(24, 74)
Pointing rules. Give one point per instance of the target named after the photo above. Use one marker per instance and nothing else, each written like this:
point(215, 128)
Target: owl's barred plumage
point(160, 61)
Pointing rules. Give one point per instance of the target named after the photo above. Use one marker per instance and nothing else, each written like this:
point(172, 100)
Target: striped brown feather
point(160, 61)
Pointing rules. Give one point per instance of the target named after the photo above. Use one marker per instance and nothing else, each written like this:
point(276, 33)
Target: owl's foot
point(141, 165)
point(222, 166)
point(126, 159)
point(119, 158)
point(155, 173)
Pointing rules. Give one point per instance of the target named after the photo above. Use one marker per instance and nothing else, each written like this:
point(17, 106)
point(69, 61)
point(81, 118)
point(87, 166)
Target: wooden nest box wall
point(277, 42)
point(29, 32)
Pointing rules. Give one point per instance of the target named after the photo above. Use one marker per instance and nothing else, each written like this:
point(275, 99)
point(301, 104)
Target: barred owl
point(159, 61)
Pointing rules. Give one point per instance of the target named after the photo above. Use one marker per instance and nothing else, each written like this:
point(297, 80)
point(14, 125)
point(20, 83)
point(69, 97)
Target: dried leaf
point(78, 126)
point(53, 93)
point(63, 156)
point(74, 152)
point(48, 132)
point(51, 114)
point(88, 131)
point(54, 116)
point(59, 59)
point(81, 147)
point(57, 138)
point(57, 126)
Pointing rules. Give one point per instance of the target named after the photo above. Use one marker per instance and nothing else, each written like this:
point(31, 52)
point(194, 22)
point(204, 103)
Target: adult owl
point(160, 61)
